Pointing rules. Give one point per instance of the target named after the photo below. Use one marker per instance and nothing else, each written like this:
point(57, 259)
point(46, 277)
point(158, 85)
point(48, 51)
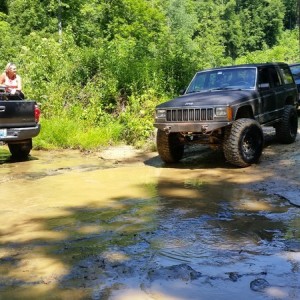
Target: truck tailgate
point(16, 113)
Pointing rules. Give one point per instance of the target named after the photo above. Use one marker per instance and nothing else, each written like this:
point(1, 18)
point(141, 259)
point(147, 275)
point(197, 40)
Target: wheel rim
point(251, 144)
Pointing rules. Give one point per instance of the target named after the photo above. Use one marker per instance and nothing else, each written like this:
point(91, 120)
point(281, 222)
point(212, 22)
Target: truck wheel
point(169, 147)
point(243, 142)
point(286, 130)
point(20, 150)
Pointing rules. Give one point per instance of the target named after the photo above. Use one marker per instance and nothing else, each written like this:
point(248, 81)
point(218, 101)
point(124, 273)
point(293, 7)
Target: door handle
point(2, 108)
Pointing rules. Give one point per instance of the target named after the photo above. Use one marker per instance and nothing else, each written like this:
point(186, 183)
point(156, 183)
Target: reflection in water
point(87, 230)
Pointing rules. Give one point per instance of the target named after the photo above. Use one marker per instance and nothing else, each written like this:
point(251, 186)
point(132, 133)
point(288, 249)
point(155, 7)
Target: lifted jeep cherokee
point(225, 107)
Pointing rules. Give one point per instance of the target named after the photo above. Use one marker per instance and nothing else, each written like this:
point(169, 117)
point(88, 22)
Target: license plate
point(3, 132)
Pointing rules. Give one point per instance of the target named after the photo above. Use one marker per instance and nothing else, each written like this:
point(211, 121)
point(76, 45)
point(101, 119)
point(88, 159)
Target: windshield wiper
point(197, 91)
point(225, 88)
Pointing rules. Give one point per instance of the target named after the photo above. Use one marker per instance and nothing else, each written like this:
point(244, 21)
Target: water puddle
point(79, 227)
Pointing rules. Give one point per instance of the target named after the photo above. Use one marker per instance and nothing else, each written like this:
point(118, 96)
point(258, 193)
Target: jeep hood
point(210, 98)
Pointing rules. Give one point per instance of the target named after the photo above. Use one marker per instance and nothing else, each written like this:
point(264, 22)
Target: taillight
point(37, 113)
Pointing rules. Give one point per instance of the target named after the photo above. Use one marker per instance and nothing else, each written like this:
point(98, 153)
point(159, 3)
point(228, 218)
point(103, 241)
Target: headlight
point(160, 113)
point(221, 111)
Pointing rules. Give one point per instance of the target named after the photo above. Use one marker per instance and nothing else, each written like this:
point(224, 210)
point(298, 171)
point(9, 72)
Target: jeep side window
point(287, 75)
point(274, 76)
point(263, 78)
point(268, 77)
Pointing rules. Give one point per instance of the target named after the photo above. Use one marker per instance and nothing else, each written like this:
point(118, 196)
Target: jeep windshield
point(223, 79)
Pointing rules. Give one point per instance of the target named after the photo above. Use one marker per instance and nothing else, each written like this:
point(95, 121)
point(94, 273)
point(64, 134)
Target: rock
point(293, 246)
point(258, 285)
point(291, 195)
point(234, 276)
point(182, 272)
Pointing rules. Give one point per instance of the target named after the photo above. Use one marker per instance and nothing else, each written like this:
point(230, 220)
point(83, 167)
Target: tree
point(210, 34)
point(43, 16)
point(233, 32)
point(3, 6)
point(178, 47)
point(28, 16)
point(290, 19)
point(262, 22)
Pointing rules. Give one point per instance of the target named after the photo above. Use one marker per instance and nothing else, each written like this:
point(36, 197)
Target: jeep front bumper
point(205, 128)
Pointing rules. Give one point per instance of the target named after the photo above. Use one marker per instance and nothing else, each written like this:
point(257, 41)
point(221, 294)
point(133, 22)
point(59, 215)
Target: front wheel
point(20, 150)
point(286, 130)
point(243, 142)
point(169, 147)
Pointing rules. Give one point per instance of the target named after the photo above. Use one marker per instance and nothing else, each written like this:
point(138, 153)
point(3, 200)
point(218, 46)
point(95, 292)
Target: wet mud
point(120, 224)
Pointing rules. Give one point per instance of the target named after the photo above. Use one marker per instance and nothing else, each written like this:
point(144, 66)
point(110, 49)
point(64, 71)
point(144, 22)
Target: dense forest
point(99, 67)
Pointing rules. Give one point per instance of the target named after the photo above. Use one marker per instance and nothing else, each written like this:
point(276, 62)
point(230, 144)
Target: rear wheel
point(169, 147)
point(286, 130)
point(243, 142)
point(20, 150)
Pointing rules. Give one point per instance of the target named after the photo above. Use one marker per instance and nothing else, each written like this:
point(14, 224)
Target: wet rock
point(293, 246)
point(122, 269)
point(89, 269)
point(225, 216)
point(91, 263)
point(106, 293)
point(182, 272)
point(8, 259)
point(291, 195)
point(90, 277)
point(233, 276)
point(258, 285)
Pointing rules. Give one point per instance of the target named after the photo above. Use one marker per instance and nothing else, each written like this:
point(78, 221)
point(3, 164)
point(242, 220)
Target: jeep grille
point(191, 114)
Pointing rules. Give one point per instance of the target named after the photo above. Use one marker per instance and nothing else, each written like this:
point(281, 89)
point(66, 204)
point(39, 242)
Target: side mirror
point(264, 86)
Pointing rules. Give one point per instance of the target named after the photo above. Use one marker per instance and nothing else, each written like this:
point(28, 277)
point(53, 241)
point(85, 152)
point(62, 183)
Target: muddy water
point(77, 226)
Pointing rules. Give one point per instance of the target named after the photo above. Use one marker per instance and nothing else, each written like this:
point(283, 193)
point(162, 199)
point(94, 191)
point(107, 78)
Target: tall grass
point(60, 132)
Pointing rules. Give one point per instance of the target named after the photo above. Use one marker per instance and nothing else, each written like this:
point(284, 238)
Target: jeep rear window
point(220, 79)
point(287, 76)
point(296, 71)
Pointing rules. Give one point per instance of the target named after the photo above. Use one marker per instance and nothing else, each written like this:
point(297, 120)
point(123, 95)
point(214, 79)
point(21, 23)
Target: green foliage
point(252, 25)
point(137, 118)
point(58, 132)
point(3, 6)
point(287, 51)
point(8, 46)
point(291, 13)
point(234, 33)
point(100, 78)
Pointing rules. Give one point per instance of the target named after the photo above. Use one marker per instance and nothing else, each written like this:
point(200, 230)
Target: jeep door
point(270, 89)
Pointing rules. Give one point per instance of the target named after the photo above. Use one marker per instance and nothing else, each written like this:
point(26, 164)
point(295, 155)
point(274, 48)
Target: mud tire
point(286, 130)
point(20, 150)
point(243, 142)
point(169, 147)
